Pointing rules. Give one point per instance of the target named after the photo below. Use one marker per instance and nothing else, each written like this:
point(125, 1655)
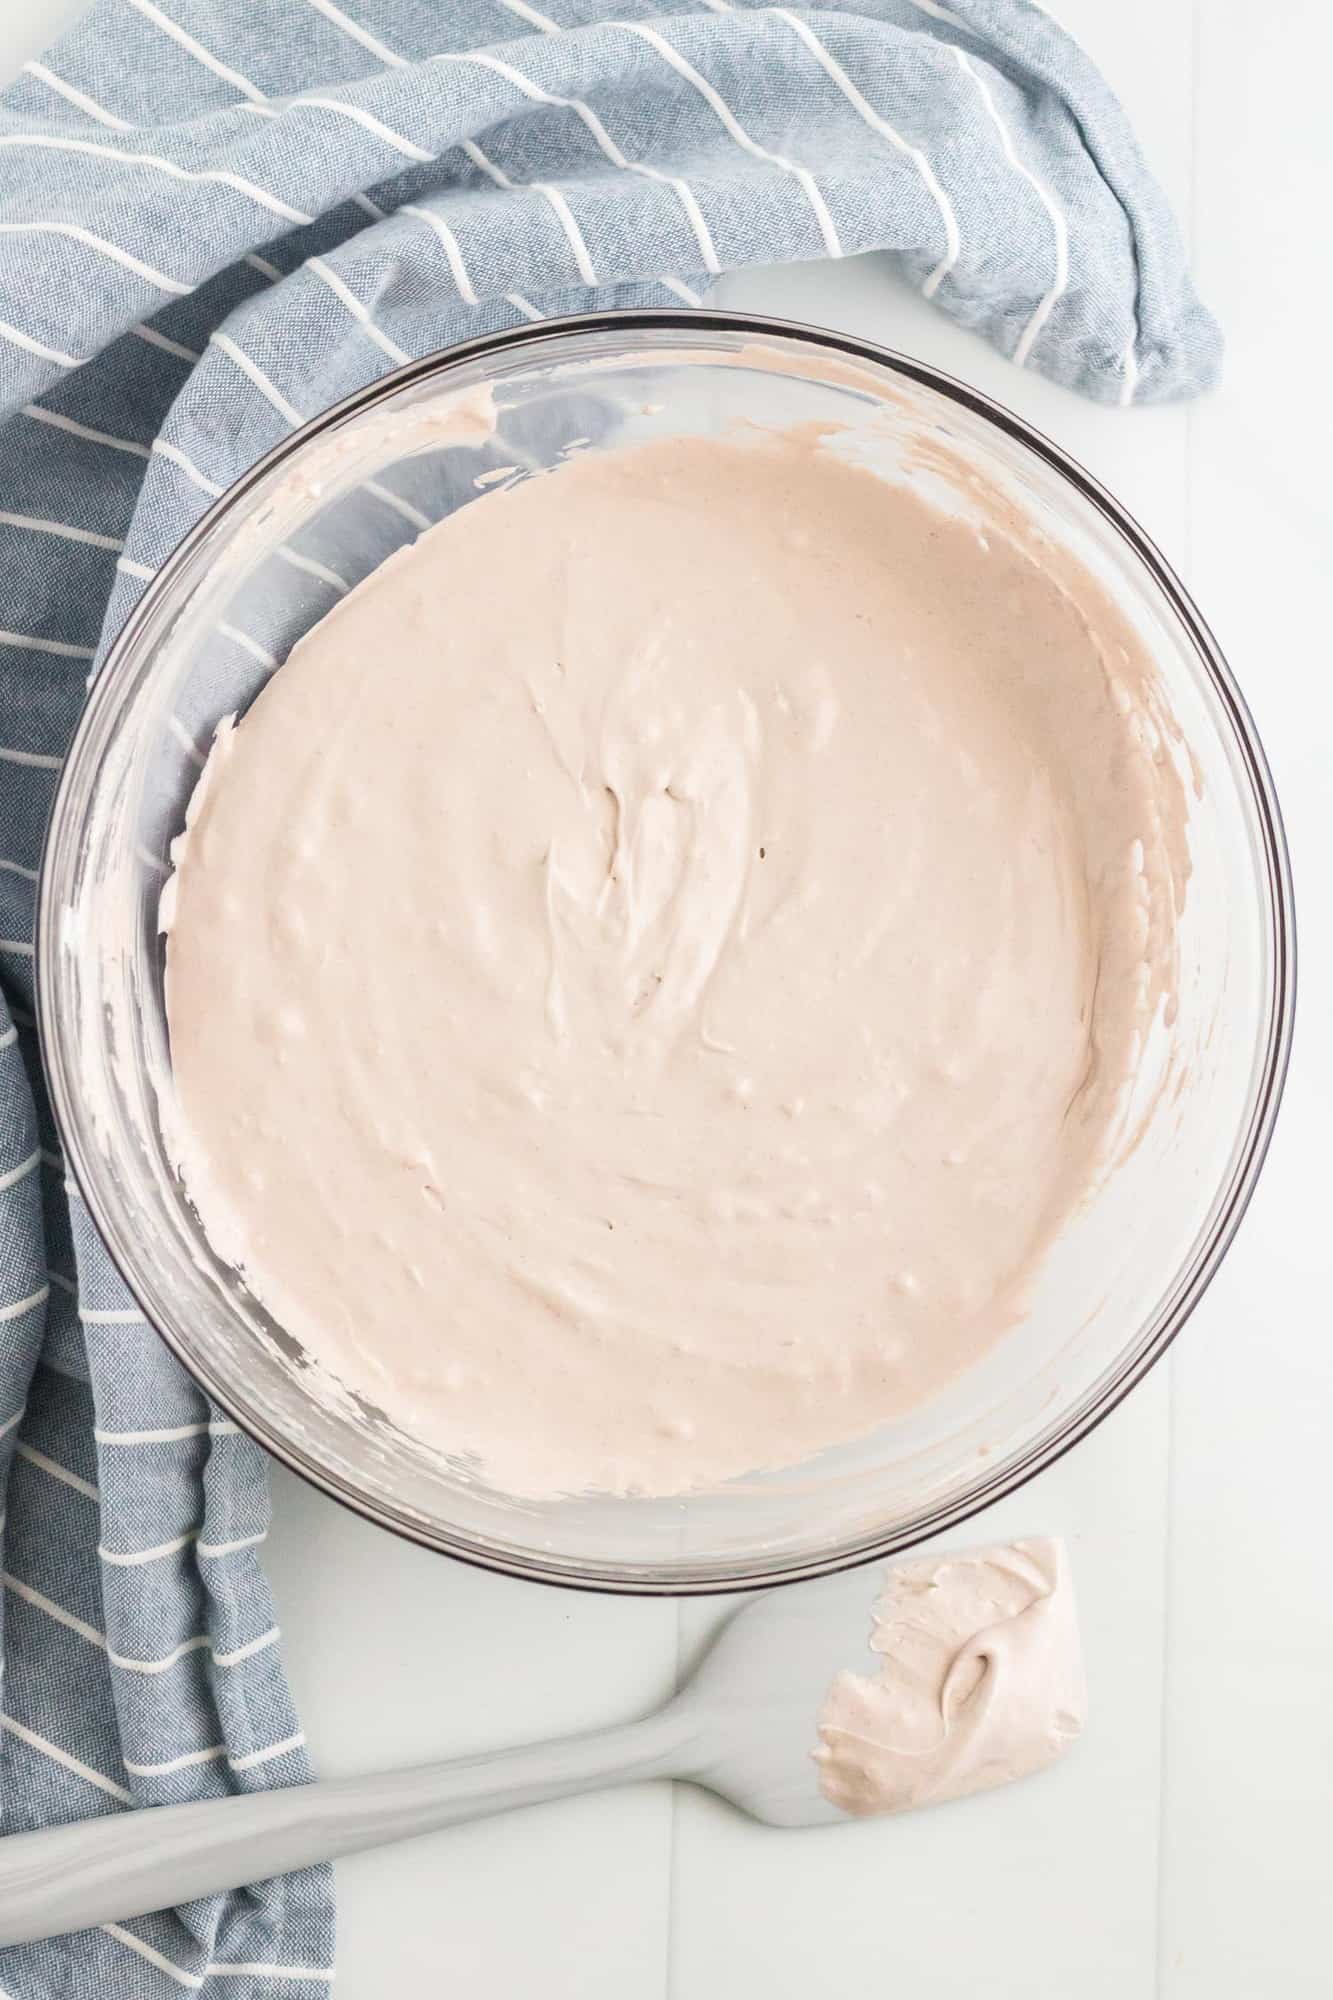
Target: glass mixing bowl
point(267, 561)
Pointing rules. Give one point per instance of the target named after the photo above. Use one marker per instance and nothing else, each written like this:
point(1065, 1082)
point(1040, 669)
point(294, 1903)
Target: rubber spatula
point(744, 1726)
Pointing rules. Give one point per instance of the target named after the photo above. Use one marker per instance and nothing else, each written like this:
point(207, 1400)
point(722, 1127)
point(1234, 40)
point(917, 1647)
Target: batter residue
point(653, 972)
point(980, 1681)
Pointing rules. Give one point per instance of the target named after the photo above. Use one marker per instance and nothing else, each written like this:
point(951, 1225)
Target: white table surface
point(1184, 1849)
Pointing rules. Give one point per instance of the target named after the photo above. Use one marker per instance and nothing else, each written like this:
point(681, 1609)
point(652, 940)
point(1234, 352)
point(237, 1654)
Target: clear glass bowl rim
point(1191, 1282)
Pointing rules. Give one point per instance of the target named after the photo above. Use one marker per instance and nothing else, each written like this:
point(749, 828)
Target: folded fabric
point(216, 219)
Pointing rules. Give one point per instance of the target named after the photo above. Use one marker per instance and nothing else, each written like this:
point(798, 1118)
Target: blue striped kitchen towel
point(216, 218)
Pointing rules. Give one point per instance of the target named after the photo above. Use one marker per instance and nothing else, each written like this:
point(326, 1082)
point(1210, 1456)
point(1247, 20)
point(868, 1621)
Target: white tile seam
point(1164, 1694)
point(669, 1969)
point(1161, 1928)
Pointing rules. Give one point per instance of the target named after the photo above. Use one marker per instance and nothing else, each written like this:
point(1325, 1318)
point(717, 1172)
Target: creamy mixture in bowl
point(654, 972)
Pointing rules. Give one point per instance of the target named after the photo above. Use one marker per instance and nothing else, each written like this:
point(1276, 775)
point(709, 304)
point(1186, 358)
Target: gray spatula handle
point(125, 1864)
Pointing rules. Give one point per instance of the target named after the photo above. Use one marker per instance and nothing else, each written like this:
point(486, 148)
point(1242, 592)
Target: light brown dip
point(654, 971)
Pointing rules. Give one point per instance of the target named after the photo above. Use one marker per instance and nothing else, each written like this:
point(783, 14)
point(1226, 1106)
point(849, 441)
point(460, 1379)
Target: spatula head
point(757, 1694)
point(850, 1697)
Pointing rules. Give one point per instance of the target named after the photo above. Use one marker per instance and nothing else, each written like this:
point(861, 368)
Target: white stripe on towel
point(55, 1471)
point(263, 1969)
point(531, 16)
point(266, 1756)
point(196, 756)
point(217, 1753)
point(217, 175)
point(154, 1957)
point(254, 373)
point(37, 347)
point(165, 342)
point(198, 51)
point(40, 1602)
point(177, 457)
point(13, 1175)
point(487, 165)
point(71, 1763)
point(184, 1762)
point(359, 116)
point(134, 1558)
point(251, 1647)
point(21, 1306)
point(722, 110)
point(170, 1435)
point(449, 243)
point(61, 423)
point(565, 216)
point(58, 1612)
point(62, 648)
point(941, 13)
point(362, 35)
point(410, 513)
point(864, 110)
point(552, 195)
point(1059, 231)
point(589, 118)
point(77, 234)
point(359, 312)
point(313, 568)
point(77, 98)
point(231, 1548)
point(248, 645)
point(186, 1646)
point(37, 524)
